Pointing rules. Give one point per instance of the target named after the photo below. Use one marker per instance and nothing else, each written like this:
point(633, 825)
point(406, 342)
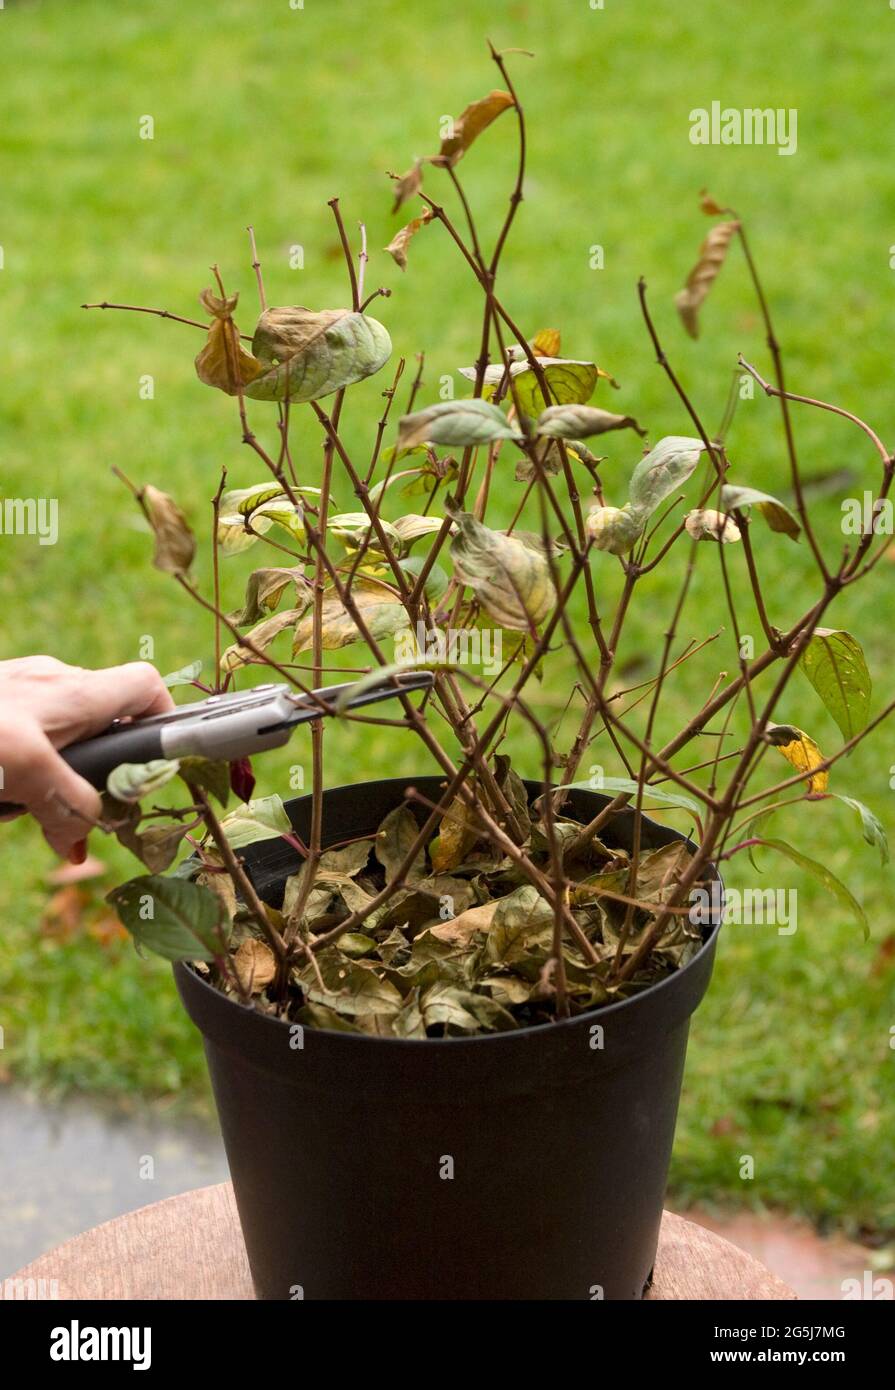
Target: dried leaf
point(407, 185)
point(462, 930)
point(394, 840)
point(457, 833)
point(175, 544)
point(703, 275)
point(469, 125)
point(511, 581)
point(709, 205)
point(224, 362)
point(455, 1010)
point(397, 247)
point(776, 514)
point(255, 965)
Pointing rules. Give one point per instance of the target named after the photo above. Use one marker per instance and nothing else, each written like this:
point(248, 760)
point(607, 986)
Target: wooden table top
point(191, 1247)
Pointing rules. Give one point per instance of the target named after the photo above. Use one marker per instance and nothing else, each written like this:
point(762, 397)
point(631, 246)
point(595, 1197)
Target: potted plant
point(446, 1017)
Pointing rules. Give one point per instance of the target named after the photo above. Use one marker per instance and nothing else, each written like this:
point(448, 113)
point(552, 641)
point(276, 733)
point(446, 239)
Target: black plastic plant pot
point(517, 1165)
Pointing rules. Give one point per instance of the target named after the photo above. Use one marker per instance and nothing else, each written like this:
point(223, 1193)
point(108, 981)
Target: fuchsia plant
point(487, 909)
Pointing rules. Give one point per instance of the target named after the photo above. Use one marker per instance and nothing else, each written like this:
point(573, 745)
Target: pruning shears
point(227, 726)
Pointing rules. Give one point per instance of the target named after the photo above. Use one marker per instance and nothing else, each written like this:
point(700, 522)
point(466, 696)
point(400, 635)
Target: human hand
point(45, 705)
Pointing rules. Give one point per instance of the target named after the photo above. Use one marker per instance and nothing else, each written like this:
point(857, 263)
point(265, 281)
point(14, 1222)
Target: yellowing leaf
point(379, 607)
point(265, 588)
point(308, 353)
point(261, 636)
point(224, 362)
point(710, 525)
point(614, 528)
point(801, 751)
point(511, 581)
point(470, 124)
point(546, 343)
point(568, 381)
point(703, 275)
point(397, 247)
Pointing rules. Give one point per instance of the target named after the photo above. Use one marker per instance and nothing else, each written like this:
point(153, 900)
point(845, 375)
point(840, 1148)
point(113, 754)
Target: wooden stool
point(190, 1247)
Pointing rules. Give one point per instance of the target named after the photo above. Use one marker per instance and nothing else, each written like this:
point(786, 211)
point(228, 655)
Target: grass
point(260, 115)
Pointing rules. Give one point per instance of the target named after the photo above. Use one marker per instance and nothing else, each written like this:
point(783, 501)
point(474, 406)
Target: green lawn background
point(261, 114)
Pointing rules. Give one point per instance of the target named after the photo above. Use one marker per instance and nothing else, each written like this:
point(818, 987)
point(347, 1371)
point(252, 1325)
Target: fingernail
point(78, 852)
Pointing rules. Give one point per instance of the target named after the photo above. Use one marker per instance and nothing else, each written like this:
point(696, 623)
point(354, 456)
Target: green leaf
point(664, 469)
point(824, 876)
point(129, 782)
point(776, 514)
point(459, 423)
point(309, 354)
point(835, 665)
point(511, 581)
point(187, 675)
point(871, 825)
point(259, 819)
point(436, 580)
point(172, 917)
point(613, 785)
point(211, 774)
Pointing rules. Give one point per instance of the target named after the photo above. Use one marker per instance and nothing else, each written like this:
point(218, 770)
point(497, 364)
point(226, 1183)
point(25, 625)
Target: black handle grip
point(95, 758)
